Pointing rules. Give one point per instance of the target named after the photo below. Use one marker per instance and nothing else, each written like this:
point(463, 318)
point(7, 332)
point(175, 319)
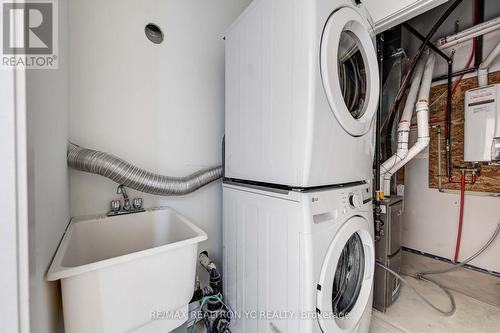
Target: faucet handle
point(115, 205)
point(126, 205)
point(137, 202)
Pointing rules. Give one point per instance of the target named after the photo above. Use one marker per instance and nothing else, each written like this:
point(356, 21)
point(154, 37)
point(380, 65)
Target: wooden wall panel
point(489, 180)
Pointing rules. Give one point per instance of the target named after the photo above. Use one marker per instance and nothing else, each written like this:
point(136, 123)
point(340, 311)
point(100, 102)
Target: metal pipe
point(422, 38)
point(447, 127)
point(456, 73)
point(478, 19)
point(440, 174)
point(131, 176)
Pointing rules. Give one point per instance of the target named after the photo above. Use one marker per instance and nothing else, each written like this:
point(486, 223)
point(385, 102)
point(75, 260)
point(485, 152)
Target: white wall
point(431, 218)
point(48, 180)
point(14, 286)
point(160, 107)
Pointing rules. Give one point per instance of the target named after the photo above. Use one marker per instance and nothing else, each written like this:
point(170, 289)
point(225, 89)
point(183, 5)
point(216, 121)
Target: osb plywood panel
point(489, 180)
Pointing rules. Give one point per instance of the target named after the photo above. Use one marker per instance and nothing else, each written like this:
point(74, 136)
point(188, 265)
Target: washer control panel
point(357, 198)
point(331, 205)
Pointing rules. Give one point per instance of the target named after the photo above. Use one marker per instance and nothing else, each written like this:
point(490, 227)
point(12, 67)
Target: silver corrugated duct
point(124, 173)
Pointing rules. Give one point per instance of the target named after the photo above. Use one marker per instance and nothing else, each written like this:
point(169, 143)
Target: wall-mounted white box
point(482, 124)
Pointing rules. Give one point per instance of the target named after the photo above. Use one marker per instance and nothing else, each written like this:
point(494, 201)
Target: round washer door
point(349, 70)
point(346, 277)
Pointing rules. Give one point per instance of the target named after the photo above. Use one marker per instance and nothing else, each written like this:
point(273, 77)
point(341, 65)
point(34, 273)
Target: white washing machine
point(298, 262)
point(302, 89)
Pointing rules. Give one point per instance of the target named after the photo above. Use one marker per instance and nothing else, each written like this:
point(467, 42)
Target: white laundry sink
point(129, 273)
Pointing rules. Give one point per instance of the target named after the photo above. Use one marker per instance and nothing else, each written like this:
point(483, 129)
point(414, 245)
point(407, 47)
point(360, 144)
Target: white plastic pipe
point(404, 123)
point(467, 34)
point(422, 123)
point(482, 72)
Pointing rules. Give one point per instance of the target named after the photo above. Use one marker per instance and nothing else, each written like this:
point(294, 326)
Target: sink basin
point(128, 273)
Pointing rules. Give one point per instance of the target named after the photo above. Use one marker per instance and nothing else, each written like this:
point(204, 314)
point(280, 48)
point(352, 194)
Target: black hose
point(387, 124)
point(215, 277)
point(378, 143)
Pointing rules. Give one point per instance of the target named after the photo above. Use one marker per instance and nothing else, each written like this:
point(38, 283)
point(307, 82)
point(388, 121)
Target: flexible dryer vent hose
point(131, 176)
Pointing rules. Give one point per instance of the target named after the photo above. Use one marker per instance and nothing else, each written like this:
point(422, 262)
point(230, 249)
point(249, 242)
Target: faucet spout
point(126, 201)
point(128, 206)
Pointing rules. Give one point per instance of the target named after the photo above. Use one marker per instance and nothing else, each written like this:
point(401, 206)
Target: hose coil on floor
point(420, 276)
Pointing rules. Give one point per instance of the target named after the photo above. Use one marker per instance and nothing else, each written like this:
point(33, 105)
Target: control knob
point(354, 200)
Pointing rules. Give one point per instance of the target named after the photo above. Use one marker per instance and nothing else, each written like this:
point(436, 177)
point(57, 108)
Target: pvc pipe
point(422, 123)
point(425, 87)
point(467, 34)
point(482, 72)
point(489, 59)
point(420, 145)
point(404, 124)
point(414, 89)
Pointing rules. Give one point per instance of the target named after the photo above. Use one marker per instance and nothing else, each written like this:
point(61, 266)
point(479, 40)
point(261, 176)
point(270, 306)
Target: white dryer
point(298, 262)
point(302, 89)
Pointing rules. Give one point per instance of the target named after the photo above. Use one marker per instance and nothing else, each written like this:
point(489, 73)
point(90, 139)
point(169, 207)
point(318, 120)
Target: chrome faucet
point(118, 209)
point(126, 202)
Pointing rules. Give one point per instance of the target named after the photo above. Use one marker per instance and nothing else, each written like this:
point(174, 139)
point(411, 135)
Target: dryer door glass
point(348, 276)
point(352, 74)
point(349, 70)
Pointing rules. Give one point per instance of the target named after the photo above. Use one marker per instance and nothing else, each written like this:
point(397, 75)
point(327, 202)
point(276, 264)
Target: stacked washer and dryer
point(302, 90)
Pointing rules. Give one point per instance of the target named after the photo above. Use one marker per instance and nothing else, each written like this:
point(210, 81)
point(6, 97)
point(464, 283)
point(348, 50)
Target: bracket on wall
point(429, 43)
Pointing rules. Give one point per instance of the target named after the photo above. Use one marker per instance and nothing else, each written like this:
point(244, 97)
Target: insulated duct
point(126, 174)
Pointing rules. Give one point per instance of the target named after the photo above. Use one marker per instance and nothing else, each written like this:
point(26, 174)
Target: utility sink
point(128, 273)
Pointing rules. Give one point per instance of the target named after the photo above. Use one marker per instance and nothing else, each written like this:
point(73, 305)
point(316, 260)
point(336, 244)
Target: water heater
point(482, 124)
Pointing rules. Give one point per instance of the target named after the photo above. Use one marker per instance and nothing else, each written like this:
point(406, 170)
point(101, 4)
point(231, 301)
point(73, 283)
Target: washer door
point(346, 277)
point(349, 70)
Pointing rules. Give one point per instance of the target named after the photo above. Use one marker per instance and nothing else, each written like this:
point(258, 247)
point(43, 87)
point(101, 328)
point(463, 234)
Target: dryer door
point(346, 277)
point(349, 70)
